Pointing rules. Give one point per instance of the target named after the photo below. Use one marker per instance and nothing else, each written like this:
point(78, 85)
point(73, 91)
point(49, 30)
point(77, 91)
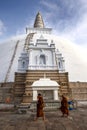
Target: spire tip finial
point(38, 21)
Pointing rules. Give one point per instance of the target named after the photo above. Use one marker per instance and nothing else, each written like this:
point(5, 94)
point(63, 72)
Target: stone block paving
point(76, 121)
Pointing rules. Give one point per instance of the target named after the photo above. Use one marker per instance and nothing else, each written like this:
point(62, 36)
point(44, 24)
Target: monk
point(40, 106)
point(64, 106)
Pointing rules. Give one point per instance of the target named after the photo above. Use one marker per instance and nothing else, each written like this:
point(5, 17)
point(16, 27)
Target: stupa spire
point(38, 21)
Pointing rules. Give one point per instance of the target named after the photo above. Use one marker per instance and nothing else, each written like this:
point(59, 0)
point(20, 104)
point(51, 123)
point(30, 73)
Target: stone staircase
point(23, 82)
point(60, 78)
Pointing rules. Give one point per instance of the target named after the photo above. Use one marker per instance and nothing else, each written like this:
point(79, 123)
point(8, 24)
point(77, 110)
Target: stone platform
point(76, 121)
point(48, 106)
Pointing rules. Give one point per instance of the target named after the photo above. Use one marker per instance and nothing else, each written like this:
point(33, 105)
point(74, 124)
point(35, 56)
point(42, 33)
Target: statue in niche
point(42, 60)
point(23, 64)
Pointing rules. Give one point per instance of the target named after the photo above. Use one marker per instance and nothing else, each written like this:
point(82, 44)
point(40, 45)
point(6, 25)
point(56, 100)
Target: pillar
point(30, 59)
point(34, 95)
point(56, 95)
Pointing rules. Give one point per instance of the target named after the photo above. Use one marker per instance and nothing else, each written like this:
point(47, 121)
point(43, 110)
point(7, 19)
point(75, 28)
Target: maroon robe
point(64, 106)
point(40, 106)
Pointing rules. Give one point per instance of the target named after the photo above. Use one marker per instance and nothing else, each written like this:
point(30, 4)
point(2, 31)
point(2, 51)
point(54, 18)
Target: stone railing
point(49, 105)
point(42, 67)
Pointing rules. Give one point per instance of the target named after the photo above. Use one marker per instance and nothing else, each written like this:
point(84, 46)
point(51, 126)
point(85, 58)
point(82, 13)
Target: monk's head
point(39, 95)
point(63, 97)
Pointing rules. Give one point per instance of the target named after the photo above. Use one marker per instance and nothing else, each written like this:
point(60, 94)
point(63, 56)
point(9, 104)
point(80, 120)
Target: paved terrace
point(13, 121)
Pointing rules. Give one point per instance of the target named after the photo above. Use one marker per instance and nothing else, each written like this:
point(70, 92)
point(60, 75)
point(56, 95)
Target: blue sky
point(68, 18)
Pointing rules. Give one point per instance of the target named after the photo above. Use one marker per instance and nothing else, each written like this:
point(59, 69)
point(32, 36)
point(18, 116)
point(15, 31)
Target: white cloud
point(84, 1)
point(29, 23)
point(20, 31)
point(2, 27)
point(73, 25)
point(78, 33)
point(49, 5)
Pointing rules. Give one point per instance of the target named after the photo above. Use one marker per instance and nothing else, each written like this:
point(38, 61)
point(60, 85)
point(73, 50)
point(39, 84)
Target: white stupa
point(11, 50)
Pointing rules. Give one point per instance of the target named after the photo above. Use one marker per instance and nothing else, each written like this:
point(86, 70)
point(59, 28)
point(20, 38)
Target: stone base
point(28, 107)
point(49, 105)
